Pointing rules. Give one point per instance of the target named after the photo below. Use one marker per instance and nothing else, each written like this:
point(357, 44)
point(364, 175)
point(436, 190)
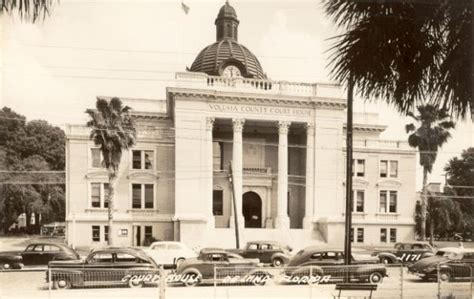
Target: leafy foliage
point(29, 10)
point(432, 133)
point(406, 51)
point(460, 179)
point(27, 149)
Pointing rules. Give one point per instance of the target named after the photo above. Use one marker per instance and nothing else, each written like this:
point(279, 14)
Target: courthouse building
point(285, 142)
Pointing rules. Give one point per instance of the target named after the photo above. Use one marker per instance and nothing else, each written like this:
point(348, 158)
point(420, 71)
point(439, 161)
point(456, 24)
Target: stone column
point(282, 220)
point(238, 125)
point(309, 193)
point(209, 171)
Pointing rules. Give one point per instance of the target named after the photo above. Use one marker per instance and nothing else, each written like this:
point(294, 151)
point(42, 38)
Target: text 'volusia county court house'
point(286, 141)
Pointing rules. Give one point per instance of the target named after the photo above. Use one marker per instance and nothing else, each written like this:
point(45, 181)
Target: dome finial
point(227, 23)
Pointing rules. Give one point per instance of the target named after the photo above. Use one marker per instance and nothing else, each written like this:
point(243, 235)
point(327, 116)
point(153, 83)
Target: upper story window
point(358, 167)
point(218, 202)
point(393, 235)
point(143, 196)
point(99, 195)
point(383, 235)
point(96, 158)
point(143, 159)
point(388, 168)
point(359, 197)
point(388, 201)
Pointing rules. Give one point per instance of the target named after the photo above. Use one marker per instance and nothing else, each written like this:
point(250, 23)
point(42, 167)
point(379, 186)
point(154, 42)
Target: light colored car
point(168, 253)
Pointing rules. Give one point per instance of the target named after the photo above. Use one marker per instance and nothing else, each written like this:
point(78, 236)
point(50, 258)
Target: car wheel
point(375, 277)
point(385, 260)
point(135, 283)
point(179, 262)
point(62, 284)
point(6, 266)
point(192, 278)
point(277, 262)
point(445, 276)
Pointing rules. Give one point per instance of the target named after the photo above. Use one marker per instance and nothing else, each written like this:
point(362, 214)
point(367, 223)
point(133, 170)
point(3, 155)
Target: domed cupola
point(226, 57)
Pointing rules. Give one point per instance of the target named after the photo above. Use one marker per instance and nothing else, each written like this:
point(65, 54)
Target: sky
point(55, 69)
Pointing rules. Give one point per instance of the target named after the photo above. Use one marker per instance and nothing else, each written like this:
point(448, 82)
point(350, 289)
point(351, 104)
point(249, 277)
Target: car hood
point(431, 261)
point(10, 253)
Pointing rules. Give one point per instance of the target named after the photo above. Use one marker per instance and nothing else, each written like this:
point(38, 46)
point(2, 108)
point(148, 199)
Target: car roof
point(64, 246)
point(212, 250)
point(165, 242)
point(265, 242)
point(413, 243)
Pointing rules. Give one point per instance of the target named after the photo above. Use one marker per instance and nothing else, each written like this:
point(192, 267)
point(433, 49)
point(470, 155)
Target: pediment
point(360, 182)
point(97, 174)
point(139, 175)
point(389, 183)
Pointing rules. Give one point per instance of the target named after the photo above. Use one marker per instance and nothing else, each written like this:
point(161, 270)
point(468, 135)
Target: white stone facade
point(286, 142)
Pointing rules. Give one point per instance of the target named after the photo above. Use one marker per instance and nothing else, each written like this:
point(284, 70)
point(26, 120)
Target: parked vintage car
point(105, 267)
point(329, 263)
point(41, 253)
point(405, 253)
point(169, 254)
point(454, 263)
point(10, 261)
point(228, 267)
point(268, 252)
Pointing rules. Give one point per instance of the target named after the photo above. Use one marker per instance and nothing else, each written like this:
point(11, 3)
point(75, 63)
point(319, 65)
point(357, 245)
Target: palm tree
point(432, 133)
point(405, 51)
point(29, 10)
point(113, 130)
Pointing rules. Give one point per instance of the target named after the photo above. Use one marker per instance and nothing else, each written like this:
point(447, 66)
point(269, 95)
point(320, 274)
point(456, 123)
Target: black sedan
point(41, 253)
point(106, 267)
point(450, 263)
point(317, 265)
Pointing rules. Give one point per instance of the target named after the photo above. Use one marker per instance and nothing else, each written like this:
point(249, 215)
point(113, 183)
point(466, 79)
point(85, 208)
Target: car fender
point(259, 272)
point(75, 276)
point(392, 257)
point(368, 269)
point(191, 269)
point(283, 256)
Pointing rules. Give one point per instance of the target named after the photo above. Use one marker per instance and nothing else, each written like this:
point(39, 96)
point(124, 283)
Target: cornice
point(252, 98)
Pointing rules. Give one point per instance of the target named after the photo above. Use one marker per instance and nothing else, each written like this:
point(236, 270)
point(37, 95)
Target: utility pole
point(348, 222)
point(234, 202)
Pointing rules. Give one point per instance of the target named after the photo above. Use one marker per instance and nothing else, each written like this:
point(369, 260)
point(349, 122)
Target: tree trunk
point(431, 231)
point(423, 204)
point(112, 184)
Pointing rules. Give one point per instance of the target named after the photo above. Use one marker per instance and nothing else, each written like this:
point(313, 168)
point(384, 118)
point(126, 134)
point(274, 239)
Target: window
point(99, 195)
point(218, 202)
point(143, 196)
point(352, 235)
point(388, 168)
point(125, 258)
point(393, 235)
point(316, 256)
point(383, 235)
point(383, 169)
point(253, 247)
point(106, 233)
point(159, 247)
point(388, 201)
point(393, 202)
point(359, 204)
point(96, 233)
point(148, 232)
point(96, 158)
point(360, 235)
point(142, 159)
point(38, 248)
point(393, 169)
point(358, 167)
point(100, 258)
point(217, 155)
point(174, 247)
point(51, 248)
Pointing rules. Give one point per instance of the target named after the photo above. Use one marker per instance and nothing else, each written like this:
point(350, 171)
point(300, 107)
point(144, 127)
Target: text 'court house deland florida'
point(285, 141)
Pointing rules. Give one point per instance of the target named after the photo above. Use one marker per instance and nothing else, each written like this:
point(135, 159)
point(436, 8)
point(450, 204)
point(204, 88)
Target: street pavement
point(26, 285)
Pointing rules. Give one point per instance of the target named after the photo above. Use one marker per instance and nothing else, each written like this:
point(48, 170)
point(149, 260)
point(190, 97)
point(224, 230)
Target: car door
point(29, 255)
point(97, 268)
point(49, 252)
point(172, 253)
point(403, 252)
point(252, 251)
point(159, 253)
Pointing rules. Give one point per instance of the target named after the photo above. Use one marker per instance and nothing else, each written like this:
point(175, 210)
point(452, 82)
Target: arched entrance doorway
point(252, 209)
